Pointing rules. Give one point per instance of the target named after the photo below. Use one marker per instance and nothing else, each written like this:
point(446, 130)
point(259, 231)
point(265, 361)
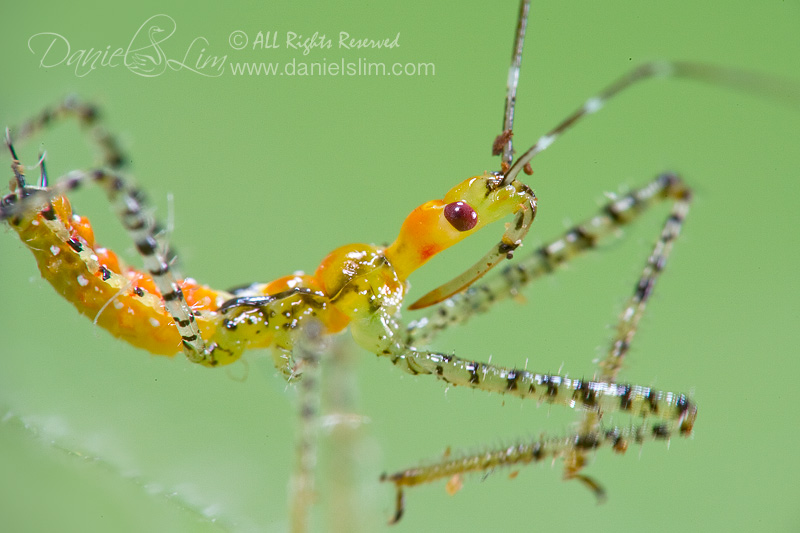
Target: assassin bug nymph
point(363, 286)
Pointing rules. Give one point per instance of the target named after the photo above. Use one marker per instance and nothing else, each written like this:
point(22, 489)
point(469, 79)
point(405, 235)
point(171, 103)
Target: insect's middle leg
point(593, 396)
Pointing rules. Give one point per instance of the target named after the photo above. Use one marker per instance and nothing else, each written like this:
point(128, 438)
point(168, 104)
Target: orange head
point(439, 224)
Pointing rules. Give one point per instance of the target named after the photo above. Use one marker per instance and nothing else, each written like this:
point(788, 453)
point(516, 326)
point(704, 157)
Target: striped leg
point(610, 366)
point(630, 317)
point(671, 409)
point(87, 116)
point(518, 455)
point(129, 203)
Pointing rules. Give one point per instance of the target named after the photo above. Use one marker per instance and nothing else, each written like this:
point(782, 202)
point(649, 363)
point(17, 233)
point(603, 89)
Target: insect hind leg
point(88, 116)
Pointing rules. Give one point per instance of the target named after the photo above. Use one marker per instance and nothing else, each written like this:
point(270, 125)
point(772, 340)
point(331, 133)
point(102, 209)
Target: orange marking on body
point(426, 252)
point(112, 303)
point(422, 235)
point(108, 259)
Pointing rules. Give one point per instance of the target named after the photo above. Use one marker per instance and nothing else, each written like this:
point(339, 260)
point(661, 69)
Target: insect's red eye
point(460, 215)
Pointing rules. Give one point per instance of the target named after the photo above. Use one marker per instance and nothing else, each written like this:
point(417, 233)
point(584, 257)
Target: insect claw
point(400, 506)
point(16, 166)
point(42, 170)
point(597, 489)
point(10, 145)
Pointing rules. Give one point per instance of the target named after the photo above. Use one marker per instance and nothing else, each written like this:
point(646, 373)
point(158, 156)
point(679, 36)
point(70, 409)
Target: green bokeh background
point(268, 174)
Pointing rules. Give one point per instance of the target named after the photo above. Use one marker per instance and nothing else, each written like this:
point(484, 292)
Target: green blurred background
point(270, 173)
